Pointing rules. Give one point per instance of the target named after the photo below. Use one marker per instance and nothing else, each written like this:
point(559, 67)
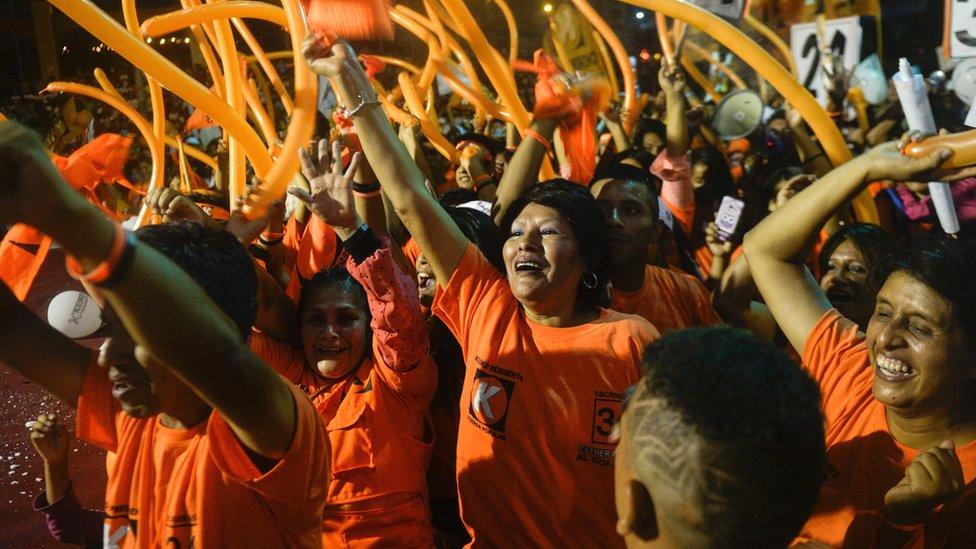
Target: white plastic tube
point(918, 112)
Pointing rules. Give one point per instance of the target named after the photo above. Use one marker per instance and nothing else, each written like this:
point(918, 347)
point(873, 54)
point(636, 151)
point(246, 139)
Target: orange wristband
point(103, 270)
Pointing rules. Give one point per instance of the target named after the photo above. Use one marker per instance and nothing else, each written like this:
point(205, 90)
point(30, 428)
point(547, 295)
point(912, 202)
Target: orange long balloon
point(156, 102)
point(264, 62)
point(700, 78)
point(301, 126)
point(698, 51)
point(143, 125)
point(110, 89)
point(513, 36)
point(107, 30)
point(667, 47)
point(433, 133)
point(608, 63)
point(777, 76)
point(620, 53)
point(474, 97)
point(178, 20)
point(491, 61)
point(234, 94)
point(260, 115)
point(771, 35)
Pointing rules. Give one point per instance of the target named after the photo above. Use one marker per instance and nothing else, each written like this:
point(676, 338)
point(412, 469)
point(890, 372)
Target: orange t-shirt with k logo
point(535, 454)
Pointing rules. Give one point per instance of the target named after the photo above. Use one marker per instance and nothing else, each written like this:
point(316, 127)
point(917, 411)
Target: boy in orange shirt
point(208, 446)
point(668, 299)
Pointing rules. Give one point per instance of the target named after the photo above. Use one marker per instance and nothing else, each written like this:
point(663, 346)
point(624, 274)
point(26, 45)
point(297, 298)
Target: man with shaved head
point(722, 445)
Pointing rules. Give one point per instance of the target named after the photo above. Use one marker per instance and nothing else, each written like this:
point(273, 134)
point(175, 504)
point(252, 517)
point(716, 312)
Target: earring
point(590, 280)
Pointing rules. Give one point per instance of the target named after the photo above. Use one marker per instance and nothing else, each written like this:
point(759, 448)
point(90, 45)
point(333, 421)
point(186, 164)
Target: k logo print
point(490, 397)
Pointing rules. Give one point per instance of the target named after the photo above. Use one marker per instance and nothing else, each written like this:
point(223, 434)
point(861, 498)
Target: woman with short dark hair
point(545, 365)
point(899, 400)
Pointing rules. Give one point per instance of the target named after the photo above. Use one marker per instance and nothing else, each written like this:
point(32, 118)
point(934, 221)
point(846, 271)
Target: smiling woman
point(538, 349)
point(899, 402)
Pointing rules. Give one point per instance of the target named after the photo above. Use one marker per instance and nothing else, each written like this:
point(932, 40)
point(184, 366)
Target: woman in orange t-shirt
point(545, 366)
point(365, 363)
point(899, 401)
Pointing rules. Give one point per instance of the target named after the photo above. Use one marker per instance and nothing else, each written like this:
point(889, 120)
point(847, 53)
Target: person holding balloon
point(898, 398)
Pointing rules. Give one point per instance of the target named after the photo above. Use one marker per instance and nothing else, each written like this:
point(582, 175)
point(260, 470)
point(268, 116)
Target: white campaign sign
point(730, 9)
point(961, 36)
point(844, 37)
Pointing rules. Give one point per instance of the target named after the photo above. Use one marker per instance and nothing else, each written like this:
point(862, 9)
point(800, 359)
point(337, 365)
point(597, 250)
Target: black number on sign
point(811, 44)
point(609, 417)
point(838, 45)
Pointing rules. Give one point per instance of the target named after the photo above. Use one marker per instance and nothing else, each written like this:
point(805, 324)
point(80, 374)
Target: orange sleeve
point(285, 360)
point(475, 295)
point(297, 477)
point(412, 250)
point(685, 215)
point(837, 358)
point(293, 236)
point(97, 409)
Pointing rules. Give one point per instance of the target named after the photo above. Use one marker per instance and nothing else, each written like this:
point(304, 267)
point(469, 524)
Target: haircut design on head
point(216, 261)
point(726, 435)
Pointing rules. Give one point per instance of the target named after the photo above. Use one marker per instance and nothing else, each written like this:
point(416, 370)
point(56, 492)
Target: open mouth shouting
point(529, 266)
point(891, 369)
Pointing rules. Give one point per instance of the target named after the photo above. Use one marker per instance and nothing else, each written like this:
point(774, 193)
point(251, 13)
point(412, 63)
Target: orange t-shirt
point(864, 460)
point(197, 487)
point(668, 299)
point(377, 424)
point(535, 457)
point(378, 418)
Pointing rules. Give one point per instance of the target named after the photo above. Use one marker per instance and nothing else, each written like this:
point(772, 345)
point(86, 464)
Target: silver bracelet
point(362, 103)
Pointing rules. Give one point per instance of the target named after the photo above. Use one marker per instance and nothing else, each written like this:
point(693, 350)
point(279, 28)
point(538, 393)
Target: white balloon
point(74, 314)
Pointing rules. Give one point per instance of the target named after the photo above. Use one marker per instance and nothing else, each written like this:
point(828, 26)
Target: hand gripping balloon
point(915, 103)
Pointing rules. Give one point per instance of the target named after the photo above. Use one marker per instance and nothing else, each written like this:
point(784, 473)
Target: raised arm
point(170, 318)
point(672, 81)
point(442, 242)
point(522, 171)
point(777, 248)
point(394, 301)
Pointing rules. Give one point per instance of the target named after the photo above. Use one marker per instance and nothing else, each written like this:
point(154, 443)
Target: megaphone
point(963, 81)
point(738, 114)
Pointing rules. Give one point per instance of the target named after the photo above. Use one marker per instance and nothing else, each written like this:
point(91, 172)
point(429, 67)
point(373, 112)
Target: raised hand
point(331, 197)
point(246, 230)
point(887, 162)
point(672, 80)
point(49, 438)
point(343, 68)
point(714, 243)
point(931, 479)
point(793, 186)
point(175, 206)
